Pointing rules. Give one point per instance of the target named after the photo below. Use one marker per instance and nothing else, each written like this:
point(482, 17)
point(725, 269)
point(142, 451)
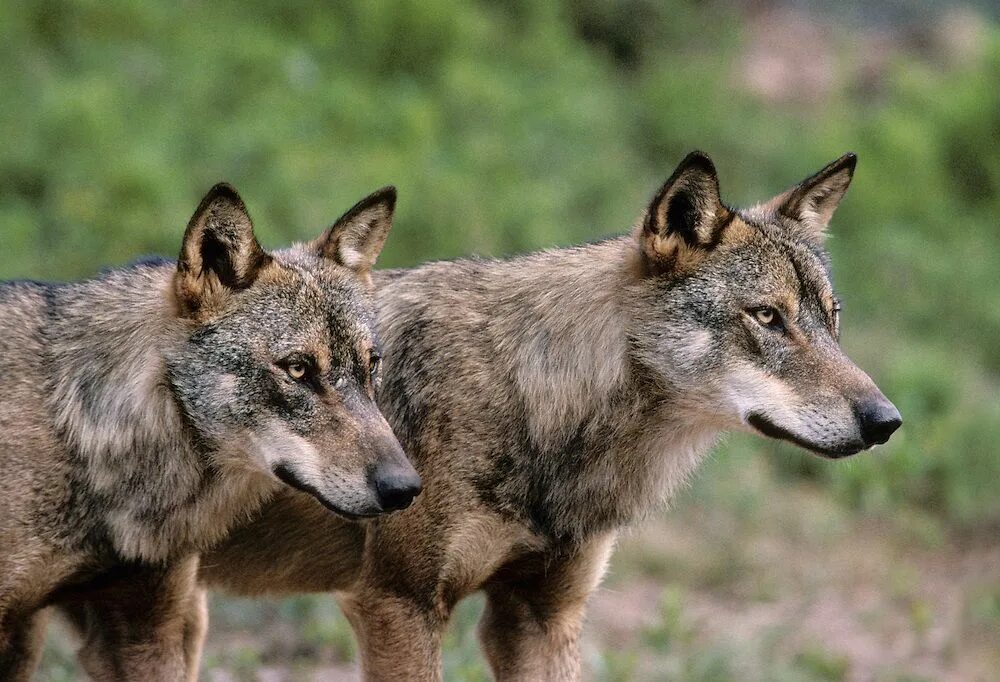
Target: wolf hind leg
point(81, 616)
point(21, 643)
point(534, 614)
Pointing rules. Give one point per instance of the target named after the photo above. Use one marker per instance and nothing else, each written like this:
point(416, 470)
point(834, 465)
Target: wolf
point(553, 399)
point(145, 412)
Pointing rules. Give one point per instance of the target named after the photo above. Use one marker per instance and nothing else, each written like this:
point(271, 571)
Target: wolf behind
point(550, 400)
point(146, 411)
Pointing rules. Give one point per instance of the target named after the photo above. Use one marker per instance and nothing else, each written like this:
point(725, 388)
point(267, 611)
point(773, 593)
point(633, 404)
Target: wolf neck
point(564, 336)
point(581, 438)
point(130, 450)
point(610, 437)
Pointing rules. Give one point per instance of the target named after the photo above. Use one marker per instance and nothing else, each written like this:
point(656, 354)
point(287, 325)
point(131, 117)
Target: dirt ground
point(827, 598)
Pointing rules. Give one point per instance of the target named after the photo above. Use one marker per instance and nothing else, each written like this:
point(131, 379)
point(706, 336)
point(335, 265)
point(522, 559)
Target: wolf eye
point(297, 366)
point(764, 315)
point(375, 365)
point(767, 316)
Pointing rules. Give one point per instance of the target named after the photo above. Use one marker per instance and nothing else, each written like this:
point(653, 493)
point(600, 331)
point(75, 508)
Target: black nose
point(396, 487)
point(879, 419)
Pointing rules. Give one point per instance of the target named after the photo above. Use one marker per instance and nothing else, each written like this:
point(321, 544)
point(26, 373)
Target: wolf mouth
point(289, 477)
point(772, 430)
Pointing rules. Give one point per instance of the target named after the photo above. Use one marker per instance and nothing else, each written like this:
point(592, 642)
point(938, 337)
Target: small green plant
point(821, 664)
point(670, 631)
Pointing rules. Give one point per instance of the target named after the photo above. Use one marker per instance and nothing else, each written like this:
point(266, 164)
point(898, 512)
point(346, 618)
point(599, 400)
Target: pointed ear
point(220, 253)
point(685, 218)
point(813, 201)
point(357, 237)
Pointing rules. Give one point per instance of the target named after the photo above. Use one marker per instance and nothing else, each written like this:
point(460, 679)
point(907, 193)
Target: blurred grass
point(515, 125)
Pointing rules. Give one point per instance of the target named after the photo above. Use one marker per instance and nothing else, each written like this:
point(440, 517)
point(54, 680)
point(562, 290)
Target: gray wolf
point(550, 400)
point(147, 411)
point(553, 399)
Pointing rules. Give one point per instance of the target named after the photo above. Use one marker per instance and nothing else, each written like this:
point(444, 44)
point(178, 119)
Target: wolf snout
point(396, 486)
point(878, 419)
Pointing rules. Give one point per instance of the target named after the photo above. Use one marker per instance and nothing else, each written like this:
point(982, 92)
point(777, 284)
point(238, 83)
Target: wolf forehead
point(762, 250)
point(306, 303)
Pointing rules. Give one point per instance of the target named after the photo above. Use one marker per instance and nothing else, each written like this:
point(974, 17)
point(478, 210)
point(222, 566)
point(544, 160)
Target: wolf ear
point(812, 202)
point(685, 217)
point(220, 252)
point(357, 237)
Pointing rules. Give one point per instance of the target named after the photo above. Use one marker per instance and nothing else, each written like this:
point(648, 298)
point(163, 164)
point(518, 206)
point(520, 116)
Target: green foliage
point(515, 126)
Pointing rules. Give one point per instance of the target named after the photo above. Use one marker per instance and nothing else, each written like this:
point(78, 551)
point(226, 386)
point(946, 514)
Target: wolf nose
point(879, 419)
point(396, 488)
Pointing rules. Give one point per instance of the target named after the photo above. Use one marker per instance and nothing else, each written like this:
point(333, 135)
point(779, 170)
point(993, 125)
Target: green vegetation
point(515, 125)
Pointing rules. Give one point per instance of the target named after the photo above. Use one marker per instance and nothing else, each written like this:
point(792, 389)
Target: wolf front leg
point(99, 649)
point(149, 627)
point(534, 613)
point(397, 638)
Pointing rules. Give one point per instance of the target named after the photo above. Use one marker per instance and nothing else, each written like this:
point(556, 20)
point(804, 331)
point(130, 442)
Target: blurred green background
point(513, 125)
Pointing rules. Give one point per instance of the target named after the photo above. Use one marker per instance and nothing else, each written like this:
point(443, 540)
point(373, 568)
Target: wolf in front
point(145, 412)
point(550, 400)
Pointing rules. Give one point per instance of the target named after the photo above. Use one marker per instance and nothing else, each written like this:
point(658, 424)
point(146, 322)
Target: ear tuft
point(356, 238)
point(685, 217)
point(813, 201)
point(220, 252)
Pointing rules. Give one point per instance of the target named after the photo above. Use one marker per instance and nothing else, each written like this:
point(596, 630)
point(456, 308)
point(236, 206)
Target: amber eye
point(296, 370)
point(768, 317)
point(765, 316)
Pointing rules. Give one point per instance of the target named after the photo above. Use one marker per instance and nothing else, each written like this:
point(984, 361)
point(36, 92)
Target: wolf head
point(282, 361)
point(740, 321)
